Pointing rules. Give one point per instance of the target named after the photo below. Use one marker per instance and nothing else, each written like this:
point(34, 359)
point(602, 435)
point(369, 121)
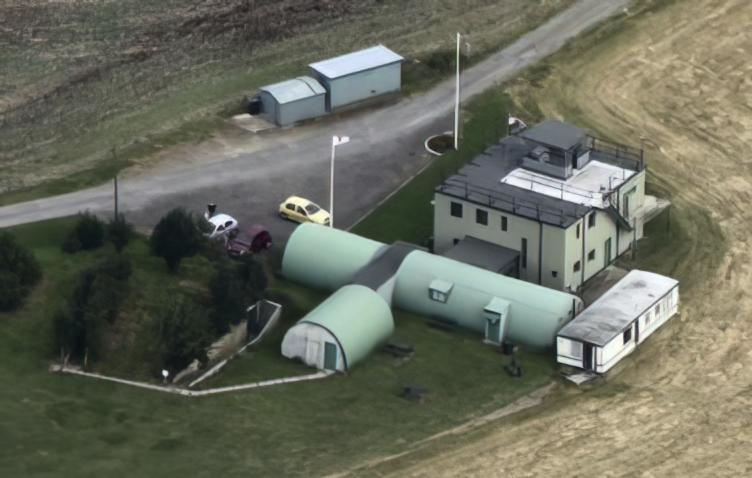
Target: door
point(493, 328)
point(587, 356)
point(607, 253)
point(637, 331)
point(330, 356)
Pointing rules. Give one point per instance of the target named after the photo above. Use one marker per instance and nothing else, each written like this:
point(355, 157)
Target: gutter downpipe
point(540, 252)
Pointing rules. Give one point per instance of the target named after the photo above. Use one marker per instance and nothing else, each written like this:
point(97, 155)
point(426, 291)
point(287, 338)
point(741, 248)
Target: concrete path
point(192, 393)
point(250, 181)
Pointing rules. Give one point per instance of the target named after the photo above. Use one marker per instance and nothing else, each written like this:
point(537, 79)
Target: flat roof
point(479, 182)
point(483, 254)
point(588, 186)
point(362, 60)
point(555, 133)
point(621, 305)
point(295, 89)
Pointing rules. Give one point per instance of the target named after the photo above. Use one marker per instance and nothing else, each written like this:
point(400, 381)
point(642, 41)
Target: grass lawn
point(50, 424)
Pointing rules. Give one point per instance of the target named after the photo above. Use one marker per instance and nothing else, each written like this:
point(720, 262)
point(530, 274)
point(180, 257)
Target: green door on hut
point(330, 356)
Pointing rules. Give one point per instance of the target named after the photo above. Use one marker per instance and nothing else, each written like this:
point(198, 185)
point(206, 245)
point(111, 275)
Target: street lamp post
point(336, 141)
point(457, 98)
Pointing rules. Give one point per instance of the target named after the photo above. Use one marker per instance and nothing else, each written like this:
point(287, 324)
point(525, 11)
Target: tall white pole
point(331, 186)
point(457, 99)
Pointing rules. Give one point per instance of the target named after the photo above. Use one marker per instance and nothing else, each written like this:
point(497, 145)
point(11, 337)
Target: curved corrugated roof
point(350, 63)
point(357, 317)
point(295, 89)
point(536, 312)
point(326, 258)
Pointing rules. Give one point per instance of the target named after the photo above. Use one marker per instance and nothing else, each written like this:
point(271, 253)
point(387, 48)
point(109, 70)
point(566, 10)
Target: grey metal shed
point(359, 76)
point(293, 100)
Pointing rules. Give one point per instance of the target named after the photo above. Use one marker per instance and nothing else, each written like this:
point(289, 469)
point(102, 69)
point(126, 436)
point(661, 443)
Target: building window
point(627, 335)
point(481, 217)
point(657, 310)
point(578, 230)
point(503, 223)
point(439, 290)
point(456, 209)
point(591, 220)
point(523, 253)
point(456, 241)
point(591, 255)
point(554, 273)
point(577, 266)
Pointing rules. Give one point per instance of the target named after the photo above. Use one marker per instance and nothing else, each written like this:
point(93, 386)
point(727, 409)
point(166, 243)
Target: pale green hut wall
point(359, 319)
point(326, 258)
point(536, 313)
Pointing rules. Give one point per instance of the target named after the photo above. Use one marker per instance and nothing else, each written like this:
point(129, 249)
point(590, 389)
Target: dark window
point(456, 209)
point(456, 241)
point(300, 210)
point(591, 255)
point(628, 335)
point(503, 223)
point(554, 273)
point(481, 217)
point(290, 206)
point(577, 266)
point(523, 253)
point(578, 231)
point(591, 220)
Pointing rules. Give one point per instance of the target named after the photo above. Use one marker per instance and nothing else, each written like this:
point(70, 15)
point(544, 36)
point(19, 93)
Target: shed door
point(587, 357)
point(330, 356)
point(493, 329)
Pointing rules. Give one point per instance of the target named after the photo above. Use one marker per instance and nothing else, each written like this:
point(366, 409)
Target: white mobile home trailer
point(615, 324)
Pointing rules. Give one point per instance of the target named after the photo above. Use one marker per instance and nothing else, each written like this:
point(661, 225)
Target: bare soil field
point(80, 78)
point(677, 73)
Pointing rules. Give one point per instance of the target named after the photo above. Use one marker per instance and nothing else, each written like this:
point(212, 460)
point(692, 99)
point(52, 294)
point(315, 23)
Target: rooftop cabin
point(559, 149)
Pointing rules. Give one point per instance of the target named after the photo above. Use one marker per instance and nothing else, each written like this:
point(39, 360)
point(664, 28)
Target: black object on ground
point(513, 368)
point(399, 350)
point(414, 393)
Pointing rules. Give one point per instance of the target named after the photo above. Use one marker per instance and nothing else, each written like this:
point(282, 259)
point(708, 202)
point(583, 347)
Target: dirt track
point(683, 406)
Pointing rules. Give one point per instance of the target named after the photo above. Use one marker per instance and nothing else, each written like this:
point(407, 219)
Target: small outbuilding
point(617, 322)
point(342, 331)
point(293, 100)
point(359, 76)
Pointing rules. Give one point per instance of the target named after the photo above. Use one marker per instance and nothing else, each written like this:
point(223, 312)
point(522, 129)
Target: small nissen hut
point(293, 100)
point(341, 331)
point(621, 319)
point(359, 76)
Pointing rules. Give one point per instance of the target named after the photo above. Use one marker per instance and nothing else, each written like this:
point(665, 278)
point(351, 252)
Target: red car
point(249, 240)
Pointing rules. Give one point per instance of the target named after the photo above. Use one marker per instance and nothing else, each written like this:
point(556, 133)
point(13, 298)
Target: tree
point(254, 277)
point(19, 272)
point(87, 234)
point(228, 298)
point(119, 232)
point(175, 237)
point(184, 334)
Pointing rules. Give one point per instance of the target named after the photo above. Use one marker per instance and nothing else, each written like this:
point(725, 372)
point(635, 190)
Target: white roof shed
point(356, 62)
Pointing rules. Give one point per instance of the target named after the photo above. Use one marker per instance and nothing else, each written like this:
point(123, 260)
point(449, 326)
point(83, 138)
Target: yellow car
point(302, 210)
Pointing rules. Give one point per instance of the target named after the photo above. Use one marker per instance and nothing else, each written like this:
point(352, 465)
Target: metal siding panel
point(362, 86)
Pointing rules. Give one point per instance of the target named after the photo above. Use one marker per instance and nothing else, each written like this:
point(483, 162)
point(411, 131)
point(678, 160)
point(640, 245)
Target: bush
point(233, 288)
point(19, 272)
point(175, 237)
point(93, 306)
point(87, 234)
point(119, 232)
point(183, 332)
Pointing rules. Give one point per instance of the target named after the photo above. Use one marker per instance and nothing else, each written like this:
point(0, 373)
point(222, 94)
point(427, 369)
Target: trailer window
point(628, 335)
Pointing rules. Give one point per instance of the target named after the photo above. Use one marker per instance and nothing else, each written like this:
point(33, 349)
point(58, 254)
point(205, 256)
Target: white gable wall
point(306, 341)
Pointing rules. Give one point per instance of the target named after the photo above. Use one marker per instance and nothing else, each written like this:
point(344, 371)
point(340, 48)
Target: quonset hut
point(499, 307)
point(293, 100)
point(341, 331)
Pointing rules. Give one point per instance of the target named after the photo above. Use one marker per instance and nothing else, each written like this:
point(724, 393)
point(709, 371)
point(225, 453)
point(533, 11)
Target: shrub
point(119, 232)
point(228, 298)
point(175, 237)
point(93, 306)
point(19, 272)
point(254, 277)
point(183, 332)
point(87, 234)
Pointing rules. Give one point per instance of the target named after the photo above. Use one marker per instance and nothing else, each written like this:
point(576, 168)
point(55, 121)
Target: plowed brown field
point(681, 76)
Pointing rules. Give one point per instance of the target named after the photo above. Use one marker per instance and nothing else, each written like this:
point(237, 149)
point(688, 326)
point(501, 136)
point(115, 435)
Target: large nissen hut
point(359, 76)
point(293, 100)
